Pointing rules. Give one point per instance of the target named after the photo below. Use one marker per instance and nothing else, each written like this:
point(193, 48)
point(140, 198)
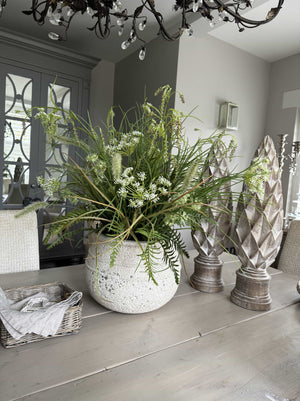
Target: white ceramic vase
point(126, 287)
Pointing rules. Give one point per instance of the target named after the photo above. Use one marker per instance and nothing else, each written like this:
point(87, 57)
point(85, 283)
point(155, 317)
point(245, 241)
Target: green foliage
point(137, 182)
point(258, 168)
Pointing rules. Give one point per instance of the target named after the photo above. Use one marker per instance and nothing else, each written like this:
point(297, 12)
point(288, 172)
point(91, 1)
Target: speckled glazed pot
point(126, 287)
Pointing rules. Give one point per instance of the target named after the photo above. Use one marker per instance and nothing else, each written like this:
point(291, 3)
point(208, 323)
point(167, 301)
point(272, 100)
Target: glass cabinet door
point(64, 95)
point(25, 152)
point(16, 144)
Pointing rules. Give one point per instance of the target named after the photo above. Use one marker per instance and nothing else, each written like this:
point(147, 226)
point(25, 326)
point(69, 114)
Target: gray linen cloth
point(37, 314)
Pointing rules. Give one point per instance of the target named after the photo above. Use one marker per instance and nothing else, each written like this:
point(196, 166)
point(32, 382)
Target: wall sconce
point(228, 117)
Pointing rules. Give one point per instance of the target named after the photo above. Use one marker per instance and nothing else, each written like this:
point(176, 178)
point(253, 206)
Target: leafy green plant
point(138, 182)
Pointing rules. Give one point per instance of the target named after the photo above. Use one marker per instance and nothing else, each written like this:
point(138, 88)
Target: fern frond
point(148, 257)
point(115, 249)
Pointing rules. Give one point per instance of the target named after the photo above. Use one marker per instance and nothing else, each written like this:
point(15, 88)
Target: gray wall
point(135, 78)
point(101, 91)
point(284, 77)
point(211, 72)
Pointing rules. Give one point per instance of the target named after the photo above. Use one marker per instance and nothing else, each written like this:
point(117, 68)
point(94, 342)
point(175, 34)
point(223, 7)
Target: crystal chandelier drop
point(108, 14)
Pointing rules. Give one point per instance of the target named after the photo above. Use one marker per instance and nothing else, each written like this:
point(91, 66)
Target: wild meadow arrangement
point(141, 181)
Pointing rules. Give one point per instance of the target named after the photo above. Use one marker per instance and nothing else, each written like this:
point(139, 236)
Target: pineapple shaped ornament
point(258, 233)
point(210, 239)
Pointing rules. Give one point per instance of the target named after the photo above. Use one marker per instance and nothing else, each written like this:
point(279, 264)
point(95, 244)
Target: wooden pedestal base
point(252, 289)
point(207, 274)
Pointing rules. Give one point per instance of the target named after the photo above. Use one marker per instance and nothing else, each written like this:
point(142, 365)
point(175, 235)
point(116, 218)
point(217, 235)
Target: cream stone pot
point(126, 287)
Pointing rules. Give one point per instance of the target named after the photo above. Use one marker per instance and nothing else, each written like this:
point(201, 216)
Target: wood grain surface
point(197, 347)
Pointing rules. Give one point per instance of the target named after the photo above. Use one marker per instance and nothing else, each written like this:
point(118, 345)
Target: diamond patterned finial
point(210, 240)
point(260, 218)
point(258, 235)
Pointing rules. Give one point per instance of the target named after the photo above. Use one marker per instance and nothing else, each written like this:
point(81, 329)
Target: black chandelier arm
point(204, 9)
point(38, 16)
point(80, 5)
point(67, 24)
point(61, 12)
point(184, 23)
point(245, 21)
point(159, 18)
point(136, 32)
point(101, 13)
point(103, 10)
point(100, 33)
point(106, 13)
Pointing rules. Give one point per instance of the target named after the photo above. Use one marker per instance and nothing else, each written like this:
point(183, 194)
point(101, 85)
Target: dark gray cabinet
point(24, 150)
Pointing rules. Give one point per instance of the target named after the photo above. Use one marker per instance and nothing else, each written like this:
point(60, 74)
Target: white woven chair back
point(289, 260)
point(19, 243)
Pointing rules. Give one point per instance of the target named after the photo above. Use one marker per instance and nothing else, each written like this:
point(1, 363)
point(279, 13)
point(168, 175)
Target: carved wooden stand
point(207, 274)
point(252, 289)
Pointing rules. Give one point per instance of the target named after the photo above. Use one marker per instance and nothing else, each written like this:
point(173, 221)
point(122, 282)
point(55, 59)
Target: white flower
point(125, 143)
point(163, 190)
point(153, 197)
point(147, 196)
point(138, 187)
point(118, 181)
point(163, 181)
point(92, 158)
point(122, 192)
point(127, 171)
point(136, 203)
point(141, 175)
point(152, 187)
point(137, 133)
point(50, 186)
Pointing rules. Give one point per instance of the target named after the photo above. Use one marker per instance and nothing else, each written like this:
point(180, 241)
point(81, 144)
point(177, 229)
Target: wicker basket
point(70, 324)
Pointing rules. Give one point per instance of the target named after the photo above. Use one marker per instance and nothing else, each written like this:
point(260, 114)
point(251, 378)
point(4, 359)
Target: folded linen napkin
point(35, 314)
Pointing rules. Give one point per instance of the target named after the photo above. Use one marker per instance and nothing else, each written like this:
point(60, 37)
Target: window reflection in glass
point(17, 138)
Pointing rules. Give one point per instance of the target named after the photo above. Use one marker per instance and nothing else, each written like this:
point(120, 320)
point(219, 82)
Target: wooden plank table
point(197, 347)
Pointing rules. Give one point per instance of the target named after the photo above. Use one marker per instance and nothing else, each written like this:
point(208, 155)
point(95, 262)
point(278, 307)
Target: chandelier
point(108, 14)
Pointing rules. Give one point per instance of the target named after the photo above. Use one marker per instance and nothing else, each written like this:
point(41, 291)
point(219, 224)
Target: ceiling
point(271, 42)
point(80, 39)
point(275, 40)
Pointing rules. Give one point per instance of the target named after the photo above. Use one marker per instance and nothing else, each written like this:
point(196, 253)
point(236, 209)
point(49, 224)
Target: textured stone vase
point(211, 238)
point(258, 235)
point(126, 287)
